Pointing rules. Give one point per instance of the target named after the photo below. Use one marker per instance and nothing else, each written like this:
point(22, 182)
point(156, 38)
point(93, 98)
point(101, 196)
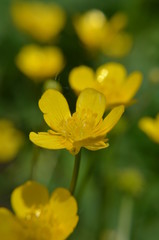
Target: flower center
point(38, 224)
point(79, 126)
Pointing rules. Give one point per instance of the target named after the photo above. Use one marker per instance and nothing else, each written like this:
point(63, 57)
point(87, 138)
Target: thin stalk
point(75, 172)
point(125, 219)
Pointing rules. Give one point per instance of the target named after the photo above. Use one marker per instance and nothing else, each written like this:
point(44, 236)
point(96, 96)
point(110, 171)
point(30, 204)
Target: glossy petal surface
point(28, 196)
point(111, 119)
point(55, 108)
point(47, 140)
point(92, 101)
point(64, 208)
point(111, 73)
point(131, 86)
point(81, 77)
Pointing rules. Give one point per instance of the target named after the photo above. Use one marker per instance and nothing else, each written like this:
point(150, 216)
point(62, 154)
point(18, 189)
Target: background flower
point(110, 79)
point(40, 63)
point(43, 21)
point(150, 126)
point(11, 141)
point(98, 33)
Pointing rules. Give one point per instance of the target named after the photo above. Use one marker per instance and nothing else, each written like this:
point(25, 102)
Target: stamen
point(79, 126)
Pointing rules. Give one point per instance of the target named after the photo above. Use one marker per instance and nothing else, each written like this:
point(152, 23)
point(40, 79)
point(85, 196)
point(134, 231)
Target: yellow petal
point(118, 21)
point(64, 208)
point(55, 108)
point(27, 196)
point(93, 101)
point(10, 140)
point(111, 73)
point(111, 119)
point(9, 226)
point(148, 126)
point(119, 46)
point(47, 140)
point(131, 86)
point(80, 78)
point(97, 146)
point(91, 28)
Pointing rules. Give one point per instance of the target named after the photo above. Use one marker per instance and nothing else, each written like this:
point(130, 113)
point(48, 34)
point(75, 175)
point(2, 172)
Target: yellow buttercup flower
point(111, 79)
point(85, 128)
point(43, 21)
point(38, 217)
point(91, 27)
point(10, 141)
point(98, 33)
point(40, 63)
point(151, 127)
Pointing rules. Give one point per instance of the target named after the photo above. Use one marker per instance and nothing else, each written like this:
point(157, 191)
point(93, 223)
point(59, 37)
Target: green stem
point(75, 172)
point(125, 219)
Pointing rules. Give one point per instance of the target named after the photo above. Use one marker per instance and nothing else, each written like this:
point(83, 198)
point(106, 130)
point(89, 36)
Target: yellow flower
point(91, 27)
point(40, 63)
point(10, 141)
point(97, 33)
point(151, 127)
point(111, 79)
point(38, 217)
point(43, 21)
point(85, 128)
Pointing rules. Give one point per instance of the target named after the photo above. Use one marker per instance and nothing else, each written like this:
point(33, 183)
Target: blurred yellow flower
point(43, 21)
point(40, 63)
point(97, 33)
point(85, 128)
point(91, 27)
point(131, 181)
point(151, 127)
point(10, 141)
point(38, 217)
point(111, 79)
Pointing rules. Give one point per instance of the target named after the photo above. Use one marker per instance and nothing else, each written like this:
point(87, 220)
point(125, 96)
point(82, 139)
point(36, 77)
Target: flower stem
point(75, 172)
point(125, 218)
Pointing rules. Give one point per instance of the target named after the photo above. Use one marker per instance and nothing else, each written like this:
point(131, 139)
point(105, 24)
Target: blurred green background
point(99, 196)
